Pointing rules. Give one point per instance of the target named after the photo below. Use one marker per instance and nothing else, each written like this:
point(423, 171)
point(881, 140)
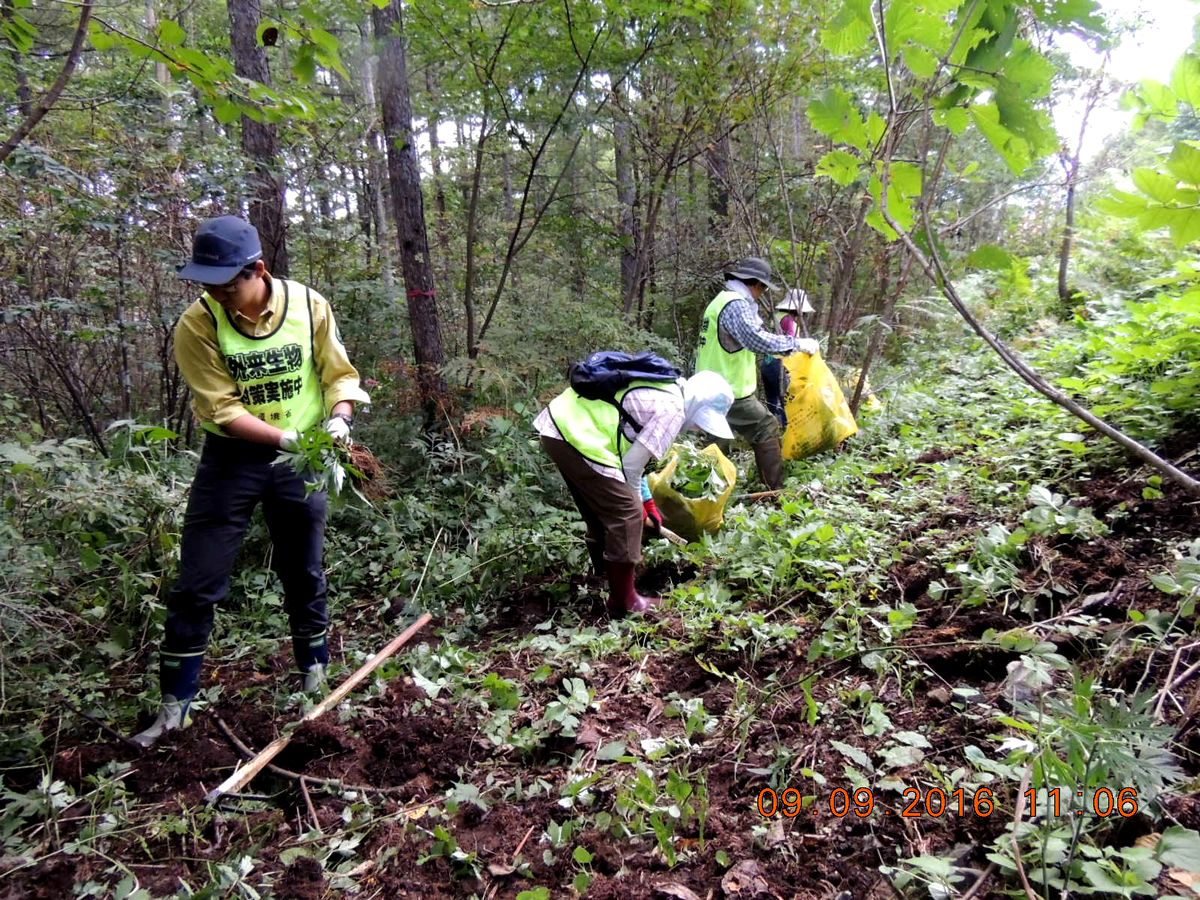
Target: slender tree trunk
point(260, 142)
point(717, 155)
point(441, 224)
point(472, 201)
point(122, 333)
point(38, 111)
point(409, 207)
point(375, 179)
point(627, 224)
point(24, 94)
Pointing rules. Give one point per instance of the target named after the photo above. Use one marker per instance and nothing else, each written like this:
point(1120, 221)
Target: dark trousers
point(610, 509)
point(231, 480)
point(773, 382)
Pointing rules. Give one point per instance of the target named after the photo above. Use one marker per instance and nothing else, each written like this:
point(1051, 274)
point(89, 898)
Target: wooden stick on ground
point(244, 775)
point(758, 495)
point(671, 536)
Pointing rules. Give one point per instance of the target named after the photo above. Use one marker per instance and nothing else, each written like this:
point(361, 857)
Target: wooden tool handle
point(246, 773)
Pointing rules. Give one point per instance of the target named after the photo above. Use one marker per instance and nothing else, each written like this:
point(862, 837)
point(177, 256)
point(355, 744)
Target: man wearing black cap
point(264, 361)
point(731, 333)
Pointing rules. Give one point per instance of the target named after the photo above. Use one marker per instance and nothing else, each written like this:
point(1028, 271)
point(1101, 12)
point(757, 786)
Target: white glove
point(339, 428)
point(289, 440)
point(807, 345)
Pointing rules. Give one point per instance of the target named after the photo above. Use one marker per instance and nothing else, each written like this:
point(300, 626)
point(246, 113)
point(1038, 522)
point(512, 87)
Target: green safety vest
point(735, 366)
point(593, 427)
point(276, 374)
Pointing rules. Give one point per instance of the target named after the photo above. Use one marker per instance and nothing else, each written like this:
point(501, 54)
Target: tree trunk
point(441, 225)
point(409, 207)
point(260, 142)
point(375, 181)
point(627, 230)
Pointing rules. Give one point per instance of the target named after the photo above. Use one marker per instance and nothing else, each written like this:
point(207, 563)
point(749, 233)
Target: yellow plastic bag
point(868, 402)
point(818, 416)
point(688, 517)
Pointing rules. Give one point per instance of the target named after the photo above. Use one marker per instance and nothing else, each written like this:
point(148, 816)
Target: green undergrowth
point(792, 652)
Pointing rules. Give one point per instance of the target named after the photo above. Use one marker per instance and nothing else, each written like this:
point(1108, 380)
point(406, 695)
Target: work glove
point(651, 513)
point(289, 439)
point(339, 428)
point(807, 345)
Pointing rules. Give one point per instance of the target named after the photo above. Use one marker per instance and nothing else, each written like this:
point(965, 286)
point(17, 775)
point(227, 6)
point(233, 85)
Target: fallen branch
point(758, 495)
point(244, 775)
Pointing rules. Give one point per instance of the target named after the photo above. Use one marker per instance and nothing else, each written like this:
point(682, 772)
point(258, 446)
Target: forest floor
point(559, 751)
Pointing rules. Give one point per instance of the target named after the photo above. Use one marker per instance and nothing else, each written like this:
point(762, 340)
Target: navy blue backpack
point(606, 373)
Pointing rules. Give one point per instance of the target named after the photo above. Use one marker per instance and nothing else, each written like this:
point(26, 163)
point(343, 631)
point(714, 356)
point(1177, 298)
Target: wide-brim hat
point(707, 399)
point(795, 300)
point(222, 247)
point(753, 268)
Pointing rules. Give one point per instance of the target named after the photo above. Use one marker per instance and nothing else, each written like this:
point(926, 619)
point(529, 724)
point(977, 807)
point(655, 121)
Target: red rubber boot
point(623, 598)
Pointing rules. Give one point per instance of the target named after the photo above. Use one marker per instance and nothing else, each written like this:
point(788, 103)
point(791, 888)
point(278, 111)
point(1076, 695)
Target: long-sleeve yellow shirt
point(215, 394)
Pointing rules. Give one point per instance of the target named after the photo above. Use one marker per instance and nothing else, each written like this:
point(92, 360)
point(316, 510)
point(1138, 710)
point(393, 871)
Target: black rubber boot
point(768, 455)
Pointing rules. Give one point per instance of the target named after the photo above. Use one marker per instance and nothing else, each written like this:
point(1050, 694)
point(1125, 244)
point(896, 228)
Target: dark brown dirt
point(414, 748)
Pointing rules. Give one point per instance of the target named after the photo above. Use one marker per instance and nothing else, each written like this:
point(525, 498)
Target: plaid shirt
point(741, 321)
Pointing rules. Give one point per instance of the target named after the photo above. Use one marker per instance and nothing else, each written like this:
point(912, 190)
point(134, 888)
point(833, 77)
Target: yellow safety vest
point(276, 375)
point(735, 366)
point(594, 427)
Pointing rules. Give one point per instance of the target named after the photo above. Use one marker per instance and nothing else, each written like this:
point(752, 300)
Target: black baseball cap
point(223, 247)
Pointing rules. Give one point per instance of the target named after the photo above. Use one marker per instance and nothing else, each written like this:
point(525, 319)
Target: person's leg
point(296, 522)
point(611, 503)
point(772, 379)
point(561, 453)
point(222, 499)
point(754, 422)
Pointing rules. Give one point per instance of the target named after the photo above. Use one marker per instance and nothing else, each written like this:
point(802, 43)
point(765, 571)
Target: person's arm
point(215, 396)
point(633, 464)
point(339, 379)
point(743, 323)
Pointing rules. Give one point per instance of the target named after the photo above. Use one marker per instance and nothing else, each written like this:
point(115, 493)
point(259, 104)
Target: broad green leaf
point(844, 168)
point(15, 453)
point(611, 752)
point(1179, 848)
point(1185, 225)
point(906, 178)
point(853, 754)
point(833, 116)
point(1185, 80)
point(170, 34)
point(226, 111)
point(101, 39)
point(1154, 184)
point(20, 33)
point(1029, 70)
point(1184, 162)
point(1121, 204)
point(876, 128)
point(1013, 149)
point(923, 63)
point(850, 29)
point(1084, 14)
point(898, 209)
point(990, 256)
point(956, 119)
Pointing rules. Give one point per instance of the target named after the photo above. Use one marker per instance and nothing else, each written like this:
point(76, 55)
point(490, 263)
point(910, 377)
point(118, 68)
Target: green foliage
point(1138, 362)
point(697, 475)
